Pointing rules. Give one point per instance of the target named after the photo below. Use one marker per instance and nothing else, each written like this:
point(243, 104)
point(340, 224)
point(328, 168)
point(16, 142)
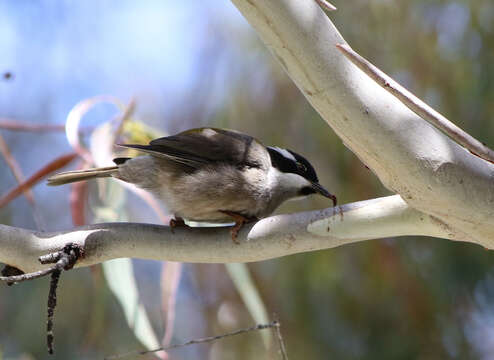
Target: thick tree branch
point(269, 238)
point(431, 172)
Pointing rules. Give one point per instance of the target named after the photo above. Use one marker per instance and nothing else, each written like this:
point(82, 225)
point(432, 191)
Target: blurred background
point(193, 63)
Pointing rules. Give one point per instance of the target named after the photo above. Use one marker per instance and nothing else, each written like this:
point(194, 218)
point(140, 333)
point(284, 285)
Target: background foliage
point(192, 64)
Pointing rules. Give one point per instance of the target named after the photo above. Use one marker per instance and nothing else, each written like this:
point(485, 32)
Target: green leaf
point(119, 275)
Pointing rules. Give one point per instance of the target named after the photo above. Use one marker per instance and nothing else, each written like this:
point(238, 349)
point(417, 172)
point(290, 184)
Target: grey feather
point(200, 147)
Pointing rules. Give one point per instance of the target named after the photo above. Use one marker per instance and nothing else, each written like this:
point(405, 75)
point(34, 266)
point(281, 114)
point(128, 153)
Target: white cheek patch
point(285, 153)
point(293, 181)
point(286, 181)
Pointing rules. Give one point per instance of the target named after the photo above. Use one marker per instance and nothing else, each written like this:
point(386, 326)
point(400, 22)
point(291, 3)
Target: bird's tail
point(80, 175)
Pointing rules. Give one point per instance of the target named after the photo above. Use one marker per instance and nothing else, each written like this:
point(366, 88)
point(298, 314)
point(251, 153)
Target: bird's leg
point(176, 222)
point(240, 220)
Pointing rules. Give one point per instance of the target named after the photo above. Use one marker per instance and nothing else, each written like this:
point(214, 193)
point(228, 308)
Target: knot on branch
point(64, 259)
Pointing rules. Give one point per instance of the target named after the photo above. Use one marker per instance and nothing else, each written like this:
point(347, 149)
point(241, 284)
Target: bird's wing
point(199, 147)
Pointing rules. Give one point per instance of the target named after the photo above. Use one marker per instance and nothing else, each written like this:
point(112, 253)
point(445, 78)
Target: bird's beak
point(320, 190)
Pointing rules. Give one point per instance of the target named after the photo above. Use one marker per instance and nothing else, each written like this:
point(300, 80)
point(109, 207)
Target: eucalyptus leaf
point(119, 275)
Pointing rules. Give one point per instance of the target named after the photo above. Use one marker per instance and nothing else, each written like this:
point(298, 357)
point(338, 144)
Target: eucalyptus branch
point(431, 172)
point(269, 238)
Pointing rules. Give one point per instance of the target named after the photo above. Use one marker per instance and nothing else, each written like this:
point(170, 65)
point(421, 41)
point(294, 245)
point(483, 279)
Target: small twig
point(16, 125)
point(29, 276)
point(50, 258)
point(64, 260)
point(14, 167)
point(326, 5)
point(418, 106)
point(11, 271)
point(198, 341)
point(52, 303)
point(281, 343)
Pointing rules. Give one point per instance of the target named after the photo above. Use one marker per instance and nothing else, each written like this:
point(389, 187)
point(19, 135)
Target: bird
point(212, 175)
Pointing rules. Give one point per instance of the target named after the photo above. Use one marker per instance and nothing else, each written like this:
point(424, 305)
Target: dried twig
point(14, 167)
point(52, 303)
point(29, 276)
point(64, 259)
point(281, 343)
point(326, 5)
point(56, 164)
point(418, 106)
point(16, 125)
point(19, 177)
point(11, 271)
point(271, 325)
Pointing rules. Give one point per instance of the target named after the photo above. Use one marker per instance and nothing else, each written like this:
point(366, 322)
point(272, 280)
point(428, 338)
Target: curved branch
point(269, 238)
point(431, 172)
point(418, 106)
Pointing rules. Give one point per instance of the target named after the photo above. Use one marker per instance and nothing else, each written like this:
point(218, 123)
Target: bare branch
point(52, 303)
point(19, 177)
point(272, 325)
point(14, 168)
point(16, 125)
point(269, 238)
point(281, 342)
point(418, 106)
point(62, 260)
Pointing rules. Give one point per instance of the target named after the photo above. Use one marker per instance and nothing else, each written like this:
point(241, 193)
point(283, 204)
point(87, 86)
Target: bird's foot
point(240, 220)
point(176, 222)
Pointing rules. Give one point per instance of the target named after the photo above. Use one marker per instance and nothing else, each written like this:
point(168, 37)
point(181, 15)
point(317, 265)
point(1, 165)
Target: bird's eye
point(301, 167)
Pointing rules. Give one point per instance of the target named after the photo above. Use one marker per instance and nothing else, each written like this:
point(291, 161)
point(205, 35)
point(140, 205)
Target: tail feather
point(80, 175)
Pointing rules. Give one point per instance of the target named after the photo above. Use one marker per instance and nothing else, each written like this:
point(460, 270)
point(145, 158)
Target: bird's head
point(295, 174)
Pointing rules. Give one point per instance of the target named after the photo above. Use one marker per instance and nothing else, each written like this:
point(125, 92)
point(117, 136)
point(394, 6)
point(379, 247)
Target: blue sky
point(63, 51)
